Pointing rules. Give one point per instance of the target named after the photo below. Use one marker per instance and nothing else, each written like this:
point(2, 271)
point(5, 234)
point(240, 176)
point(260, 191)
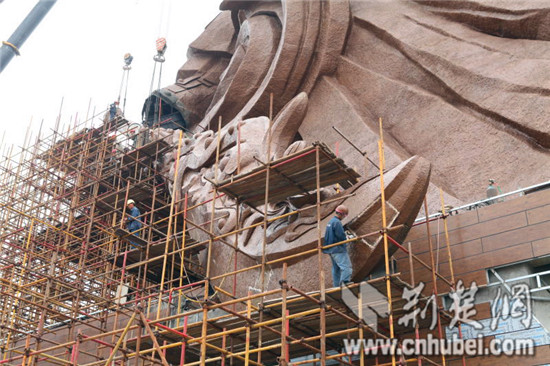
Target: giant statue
point(462, 88)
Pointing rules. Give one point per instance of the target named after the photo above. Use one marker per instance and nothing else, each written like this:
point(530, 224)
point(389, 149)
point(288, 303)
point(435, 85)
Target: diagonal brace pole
point(153, 338)
point(119, 342)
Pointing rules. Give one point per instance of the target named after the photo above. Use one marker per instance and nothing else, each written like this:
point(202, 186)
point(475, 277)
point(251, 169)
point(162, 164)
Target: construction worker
point(132, 222)
point(492, 191)
point(113, 109)
point(341, 263)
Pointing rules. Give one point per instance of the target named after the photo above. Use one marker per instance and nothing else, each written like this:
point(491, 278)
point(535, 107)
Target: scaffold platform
point(291, 175)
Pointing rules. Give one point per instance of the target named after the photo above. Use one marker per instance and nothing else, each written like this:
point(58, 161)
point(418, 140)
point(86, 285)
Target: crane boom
point(27, 26)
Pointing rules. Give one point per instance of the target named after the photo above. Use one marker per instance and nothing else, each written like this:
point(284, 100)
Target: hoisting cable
point(128, 58)
point(159, 59)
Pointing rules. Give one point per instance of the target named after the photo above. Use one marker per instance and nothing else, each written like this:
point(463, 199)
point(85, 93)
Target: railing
point(489, 201)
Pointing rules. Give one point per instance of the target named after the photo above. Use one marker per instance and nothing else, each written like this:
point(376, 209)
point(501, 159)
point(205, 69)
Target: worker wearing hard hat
point(133, 224)
point(341, 263)
point(113, 109)
point(492, 191)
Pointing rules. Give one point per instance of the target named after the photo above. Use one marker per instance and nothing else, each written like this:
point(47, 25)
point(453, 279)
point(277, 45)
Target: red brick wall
point(507, 232)
point(504, 233)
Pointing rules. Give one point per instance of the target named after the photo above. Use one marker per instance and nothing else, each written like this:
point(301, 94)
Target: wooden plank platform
point(302, 327)
point(114, 123)
point(149, 150)
point(289, 176)
point(133, 239)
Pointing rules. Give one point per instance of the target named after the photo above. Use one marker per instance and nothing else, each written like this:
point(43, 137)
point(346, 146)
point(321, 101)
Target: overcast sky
point(77, 53)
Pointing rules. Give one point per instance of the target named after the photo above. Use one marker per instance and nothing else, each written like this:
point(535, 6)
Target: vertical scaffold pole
point(449, 255)
point(15, 302)
point(76, 346)
point(384, 228)
point(183, 341)
point(266, 206)
point(169, 229)
point(322, 317)
point(247, 340)
point(361, 331)
point(204, 331)
point(182, 255)
point(413, 284)
point(434, 276)
point(284, 355)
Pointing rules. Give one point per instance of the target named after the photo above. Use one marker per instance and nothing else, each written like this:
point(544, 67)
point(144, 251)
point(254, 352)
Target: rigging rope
point(159, 59)
point(121, 85)
point(126, 92)
point(128, 58)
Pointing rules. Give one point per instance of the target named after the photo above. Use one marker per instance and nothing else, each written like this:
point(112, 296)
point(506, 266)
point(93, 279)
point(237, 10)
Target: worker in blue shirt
point(132, 222)
point(113, 108)
point(341, 263)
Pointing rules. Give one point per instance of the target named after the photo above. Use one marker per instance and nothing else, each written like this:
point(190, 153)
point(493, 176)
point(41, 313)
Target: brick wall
point(506, 232)
point(503, 233)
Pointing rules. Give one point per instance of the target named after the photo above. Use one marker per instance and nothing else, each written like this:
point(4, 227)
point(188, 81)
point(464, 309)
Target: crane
point(11, 47)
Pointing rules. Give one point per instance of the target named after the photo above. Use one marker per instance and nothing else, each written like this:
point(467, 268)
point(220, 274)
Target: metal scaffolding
point(77, 289)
